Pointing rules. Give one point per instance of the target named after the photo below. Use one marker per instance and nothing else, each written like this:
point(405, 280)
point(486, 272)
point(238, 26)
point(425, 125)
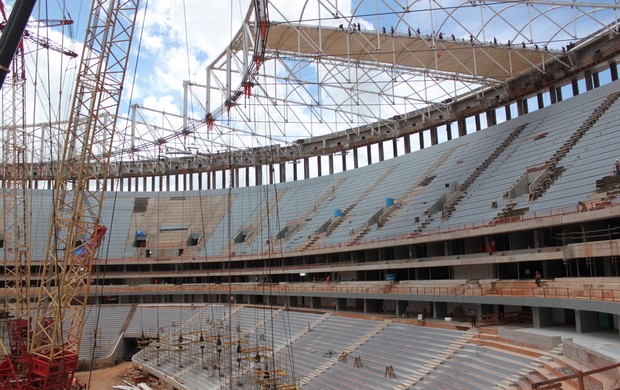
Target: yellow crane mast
point(80, 182)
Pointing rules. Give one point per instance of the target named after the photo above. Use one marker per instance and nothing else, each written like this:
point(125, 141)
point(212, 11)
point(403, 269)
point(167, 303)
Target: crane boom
point(75, 233)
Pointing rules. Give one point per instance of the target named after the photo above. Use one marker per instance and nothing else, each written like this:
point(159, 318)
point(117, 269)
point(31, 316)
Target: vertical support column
point(477, 121)
point(588, 77)
point(508, 112)
point(540, 100)
point(200, 181)
point(247, 176)
point(224, 178)
point(421, 138)
point(575, 84)
point(369, 154)
point(586, 321)
point(341, 304)
point(306, 168)
point(440, 309)
point(319, 168)
point(613, 69)
point(295, 170)
point(491, 117)
point(355, 159)
point(395, 147)
point(434, 138)
point(167, 183)
point(315, 303)
point(449, 131)
point(520, 107)
point(558, 94)
point(271, 172)
point(552, 94)
point(191, 182)
point(542, 317)
point(381, 155)
point(331, 164)
point(344, 161)
point(407, 141)
point(596, 80)
point(213, 179)
point(237, 174)
point(462, 127)
point(282, 172)
point(258, 174)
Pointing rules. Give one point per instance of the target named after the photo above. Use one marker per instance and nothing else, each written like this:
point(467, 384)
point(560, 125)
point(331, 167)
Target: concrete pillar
point(319, 168)
point(381, 155)
point(271, 174)
point(365, 306)
point(330, 159)
point(462, 127)
point(539, 99)
point(341, 304)
point(542, 317)
point(315, 303)
point(586, 321)
point(247, 176)
point(167, 184)
point(508, 112)
point(213, 179)
point(613, 69)
point(520, 107)
point(552, 94)
point(282, 172)
point(575, 84)
point(558, 94)
point(449, 131)
point(369, 154)
point(344, 162)
point(306, 168)
point(395, 147)
point(491, 118)
point(258, 174)
point(588, 78)
point(440, 310)
point(477, 121)
point(595, 80)
point(295, 170)
point(434, 138)
point(355, 159)
point(224, 185)
point(407, 141)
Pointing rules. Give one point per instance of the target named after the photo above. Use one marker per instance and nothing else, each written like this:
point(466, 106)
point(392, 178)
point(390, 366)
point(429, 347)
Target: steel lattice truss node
point(308, 72)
